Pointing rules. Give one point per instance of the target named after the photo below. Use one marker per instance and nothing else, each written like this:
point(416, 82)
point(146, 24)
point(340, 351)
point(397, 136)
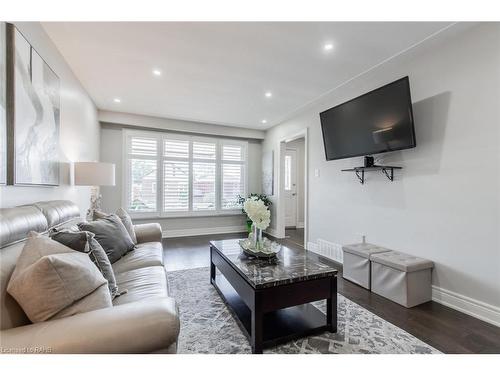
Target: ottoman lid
point(402, 261)
point(364, 250)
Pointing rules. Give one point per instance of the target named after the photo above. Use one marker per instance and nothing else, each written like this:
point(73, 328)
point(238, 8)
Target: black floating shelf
point(360, 171)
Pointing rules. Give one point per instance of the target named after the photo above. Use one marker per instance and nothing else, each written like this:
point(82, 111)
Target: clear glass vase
point(257, 237)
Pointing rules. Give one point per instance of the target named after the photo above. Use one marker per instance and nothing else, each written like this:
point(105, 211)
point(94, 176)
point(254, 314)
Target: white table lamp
point(94, 174)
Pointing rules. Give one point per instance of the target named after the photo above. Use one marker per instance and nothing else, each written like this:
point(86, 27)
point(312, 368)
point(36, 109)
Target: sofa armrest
point(138, 327)
point(150, 232)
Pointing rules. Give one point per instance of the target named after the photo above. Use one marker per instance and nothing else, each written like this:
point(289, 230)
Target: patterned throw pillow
point(85, 242)
point(111, 235)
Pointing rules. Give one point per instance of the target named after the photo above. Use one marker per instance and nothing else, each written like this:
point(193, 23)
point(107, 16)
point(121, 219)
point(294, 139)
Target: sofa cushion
point(85, 242)
point(58, 212)
point(111, 234)
point(142, 283)
point(145, 255)
point(16, 222)
point(49, 278)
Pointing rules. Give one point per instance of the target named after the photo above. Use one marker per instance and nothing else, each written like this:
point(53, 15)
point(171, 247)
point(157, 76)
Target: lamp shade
point(94, 174)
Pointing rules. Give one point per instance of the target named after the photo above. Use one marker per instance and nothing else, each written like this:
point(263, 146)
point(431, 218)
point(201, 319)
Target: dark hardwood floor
point(295, 235)
point(445, 329)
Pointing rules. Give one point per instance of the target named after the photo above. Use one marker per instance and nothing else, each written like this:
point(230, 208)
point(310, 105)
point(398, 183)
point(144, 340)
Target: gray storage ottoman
point(356, 265)
point(402, 278)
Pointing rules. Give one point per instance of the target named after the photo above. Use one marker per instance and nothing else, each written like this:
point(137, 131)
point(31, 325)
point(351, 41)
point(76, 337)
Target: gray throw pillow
point(111, 235)
point(85, 242)
point(127, 222)
point(124, 217)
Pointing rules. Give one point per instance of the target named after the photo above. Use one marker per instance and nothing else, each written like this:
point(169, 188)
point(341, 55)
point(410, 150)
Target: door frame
point(280, 203)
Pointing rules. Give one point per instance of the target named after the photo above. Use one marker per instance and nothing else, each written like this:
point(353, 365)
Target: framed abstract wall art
point(3, 106)
point(33, 126)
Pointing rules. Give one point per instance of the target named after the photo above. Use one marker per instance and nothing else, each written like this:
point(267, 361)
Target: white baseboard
point(169, 233)
point(467, 305)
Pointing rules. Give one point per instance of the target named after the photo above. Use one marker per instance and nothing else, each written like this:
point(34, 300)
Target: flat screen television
point(378, 121)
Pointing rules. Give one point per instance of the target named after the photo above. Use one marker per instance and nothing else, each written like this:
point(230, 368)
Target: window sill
point(150, 216)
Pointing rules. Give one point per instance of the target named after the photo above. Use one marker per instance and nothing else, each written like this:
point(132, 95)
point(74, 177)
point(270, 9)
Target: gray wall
point(444, 205)
point(79, 131)
point(112, 150)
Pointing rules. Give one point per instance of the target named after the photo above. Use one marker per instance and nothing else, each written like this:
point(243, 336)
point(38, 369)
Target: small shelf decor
point(360, 171)
point(258, 212)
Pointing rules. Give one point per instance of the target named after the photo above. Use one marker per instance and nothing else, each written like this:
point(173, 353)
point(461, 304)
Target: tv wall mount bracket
point(360, 171)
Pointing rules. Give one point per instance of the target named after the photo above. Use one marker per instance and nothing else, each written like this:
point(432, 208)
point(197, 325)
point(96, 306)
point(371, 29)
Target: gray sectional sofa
point(143, 320)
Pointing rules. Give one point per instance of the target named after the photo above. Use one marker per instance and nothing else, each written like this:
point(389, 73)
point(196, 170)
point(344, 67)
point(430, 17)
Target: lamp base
point(95, 202)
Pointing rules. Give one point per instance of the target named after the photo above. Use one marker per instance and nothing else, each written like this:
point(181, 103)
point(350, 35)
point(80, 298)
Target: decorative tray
point(268, 249)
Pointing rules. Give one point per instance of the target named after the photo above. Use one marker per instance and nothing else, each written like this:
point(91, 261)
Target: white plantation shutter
point(142, 174)
point(204, 150)
point(188, 175)
point(176, 174)
point(175, 185)
point(204, 176)
point(176, 148)
point(232, 185)
point(203, 186)
point(232, 152)
point(143, 146)
point(233, 175)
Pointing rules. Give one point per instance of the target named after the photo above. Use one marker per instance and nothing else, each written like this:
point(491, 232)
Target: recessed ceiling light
point(268, 94)
point(117, 100)
point(264, 121)
point(157, 72)
point(328, 47)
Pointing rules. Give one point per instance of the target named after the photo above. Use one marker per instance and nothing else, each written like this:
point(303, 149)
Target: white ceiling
point(218, 72)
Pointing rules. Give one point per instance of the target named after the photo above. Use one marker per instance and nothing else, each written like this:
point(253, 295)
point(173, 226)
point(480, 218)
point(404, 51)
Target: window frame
point(160, 137)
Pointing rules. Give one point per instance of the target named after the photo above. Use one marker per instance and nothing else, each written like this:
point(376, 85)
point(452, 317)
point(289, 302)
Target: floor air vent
point(327, 249)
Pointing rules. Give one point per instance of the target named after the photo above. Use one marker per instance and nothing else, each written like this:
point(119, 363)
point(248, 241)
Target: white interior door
point(290, 188)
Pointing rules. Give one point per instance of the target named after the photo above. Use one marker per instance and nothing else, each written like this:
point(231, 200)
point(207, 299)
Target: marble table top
point(289, 266)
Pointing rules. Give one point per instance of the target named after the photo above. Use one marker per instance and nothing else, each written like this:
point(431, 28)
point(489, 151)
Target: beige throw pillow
point(53, 281)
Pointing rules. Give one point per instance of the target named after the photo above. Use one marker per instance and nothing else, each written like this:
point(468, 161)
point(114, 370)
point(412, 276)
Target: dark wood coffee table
point(271, 298)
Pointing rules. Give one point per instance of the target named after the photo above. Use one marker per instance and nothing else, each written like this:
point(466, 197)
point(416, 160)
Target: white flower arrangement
point(257, 211)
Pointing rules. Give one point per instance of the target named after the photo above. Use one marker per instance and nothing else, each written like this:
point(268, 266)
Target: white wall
point(444, 205)
point(111, 151)
point(79, 130)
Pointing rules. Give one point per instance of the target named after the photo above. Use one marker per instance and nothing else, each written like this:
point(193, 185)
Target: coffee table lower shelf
point(279, 326)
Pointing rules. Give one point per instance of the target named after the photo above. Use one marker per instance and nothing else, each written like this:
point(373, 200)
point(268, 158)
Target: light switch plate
point(316, 172)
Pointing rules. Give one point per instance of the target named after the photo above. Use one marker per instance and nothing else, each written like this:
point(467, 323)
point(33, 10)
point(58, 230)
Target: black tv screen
point(378, 121)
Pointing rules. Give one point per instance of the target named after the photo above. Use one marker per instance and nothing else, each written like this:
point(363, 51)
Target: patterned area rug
point(208, 326)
